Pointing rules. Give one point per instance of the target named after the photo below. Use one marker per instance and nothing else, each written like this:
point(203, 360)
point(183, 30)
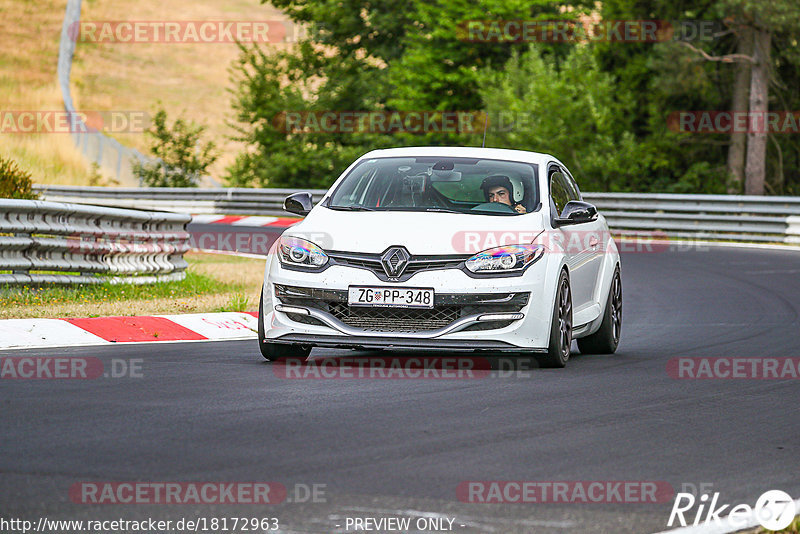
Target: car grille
point(447, 309)
point(372, 262)
point(395, 319)
point(305, 319)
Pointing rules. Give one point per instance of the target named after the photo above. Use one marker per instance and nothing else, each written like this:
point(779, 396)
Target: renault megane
point(459, 249)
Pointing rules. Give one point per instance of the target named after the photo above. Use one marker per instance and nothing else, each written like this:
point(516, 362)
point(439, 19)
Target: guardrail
point(230, 201)
point(726, 217)
point(51, 242)
point(736, 218)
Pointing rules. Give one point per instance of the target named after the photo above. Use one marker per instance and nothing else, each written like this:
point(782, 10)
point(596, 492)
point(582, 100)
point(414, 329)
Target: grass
point(194, 284)
point(191, 80)
point(794, 528)
point(213, 283)
point(29, 35)
point(237, 303)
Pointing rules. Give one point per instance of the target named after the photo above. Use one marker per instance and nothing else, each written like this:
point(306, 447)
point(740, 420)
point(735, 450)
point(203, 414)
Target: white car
point(451, 248)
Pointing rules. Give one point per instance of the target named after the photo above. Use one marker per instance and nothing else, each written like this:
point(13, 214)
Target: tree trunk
point(756, 167)
point(741, 86)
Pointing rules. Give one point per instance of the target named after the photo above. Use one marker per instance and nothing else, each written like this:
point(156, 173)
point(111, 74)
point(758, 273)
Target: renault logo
point(394, 261)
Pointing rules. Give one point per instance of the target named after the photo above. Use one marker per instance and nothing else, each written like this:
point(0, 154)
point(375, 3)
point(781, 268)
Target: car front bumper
point(502, 314)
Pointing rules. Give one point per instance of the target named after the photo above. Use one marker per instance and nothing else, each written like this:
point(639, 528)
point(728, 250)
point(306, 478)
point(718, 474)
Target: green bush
point(571, 108)
point(15, 182)
point(276, 158)
point(181, 158)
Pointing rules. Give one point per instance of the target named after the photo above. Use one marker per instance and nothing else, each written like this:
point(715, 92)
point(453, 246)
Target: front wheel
point(281, 351)
point(276, 351)
point(606, 339)
point(558, 350)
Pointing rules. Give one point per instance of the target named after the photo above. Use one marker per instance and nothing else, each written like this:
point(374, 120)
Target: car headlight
point(510, 259)
point(298, 252)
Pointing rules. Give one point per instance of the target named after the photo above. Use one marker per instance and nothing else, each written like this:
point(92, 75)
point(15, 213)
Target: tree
point(756, 166)
point(441, 68)
point(579, 115)
point(380, 56)
point(739, 104)
point(181, 158)
point(754, 24)
point(361, 56)
point(271, 84)
point(766, 21)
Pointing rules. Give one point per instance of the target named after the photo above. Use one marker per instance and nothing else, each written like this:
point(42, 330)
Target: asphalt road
point(218, 412)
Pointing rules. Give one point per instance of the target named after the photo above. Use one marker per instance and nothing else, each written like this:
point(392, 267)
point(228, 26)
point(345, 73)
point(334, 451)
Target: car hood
point(425, 233)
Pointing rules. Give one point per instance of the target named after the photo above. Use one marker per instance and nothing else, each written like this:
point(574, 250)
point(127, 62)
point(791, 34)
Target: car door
point(594, 238)
point(571, 239)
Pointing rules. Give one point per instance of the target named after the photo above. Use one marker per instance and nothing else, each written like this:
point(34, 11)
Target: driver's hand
point(520, 208)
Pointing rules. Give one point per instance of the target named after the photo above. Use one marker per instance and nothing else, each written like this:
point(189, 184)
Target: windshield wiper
point(350, 208)
point(443, 210)
point(420, 209)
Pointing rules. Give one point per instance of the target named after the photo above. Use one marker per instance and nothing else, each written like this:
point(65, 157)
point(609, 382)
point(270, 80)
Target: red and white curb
point(38, 333)
point(245, 220)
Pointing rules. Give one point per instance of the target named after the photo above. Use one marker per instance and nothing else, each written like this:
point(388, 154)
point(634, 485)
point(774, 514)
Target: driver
point(498, 188)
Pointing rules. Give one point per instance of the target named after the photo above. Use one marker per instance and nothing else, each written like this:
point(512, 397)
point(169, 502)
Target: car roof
point(462, 152)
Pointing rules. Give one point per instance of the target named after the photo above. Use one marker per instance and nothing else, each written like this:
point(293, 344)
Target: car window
point(438, 183)
point(575, 192)
point(467, 190)
point(559, 191)
point(353, 191)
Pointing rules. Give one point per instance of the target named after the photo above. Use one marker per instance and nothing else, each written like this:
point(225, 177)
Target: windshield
point(460, 185)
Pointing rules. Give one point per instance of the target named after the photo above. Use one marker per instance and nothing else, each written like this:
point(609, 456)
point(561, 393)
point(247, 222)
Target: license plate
point(399, 297)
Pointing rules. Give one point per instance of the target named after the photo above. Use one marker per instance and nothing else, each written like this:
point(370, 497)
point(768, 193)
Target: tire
point(558, 350)
point(276, 351)
point(606, 339)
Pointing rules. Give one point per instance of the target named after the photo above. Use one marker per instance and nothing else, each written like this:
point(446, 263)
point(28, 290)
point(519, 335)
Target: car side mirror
point(299, 203)
point(576, 212)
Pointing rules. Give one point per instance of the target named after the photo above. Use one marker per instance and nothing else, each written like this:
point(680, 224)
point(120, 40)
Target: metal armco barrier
point(230, 201)
point(735, 218)
point(726, 217)
point(51, 242)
